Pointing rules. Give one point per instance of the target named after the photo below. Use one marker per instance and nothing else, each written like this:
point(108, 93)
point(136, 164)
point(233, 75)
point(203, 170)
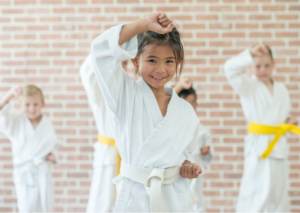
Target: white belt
point(154, 179)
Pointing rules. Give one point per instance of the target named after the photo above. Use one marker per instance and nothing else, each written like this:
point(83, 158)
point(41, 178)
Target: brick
point(260, 17)
point(273, 8)
point(246, 8)
point(51, 2)
point(220, 26)
point(220, 8)
point(246, 25)
point(207, 17)
point(12, 11)
point(287, 17)
point(233, 17)
point(286, 34)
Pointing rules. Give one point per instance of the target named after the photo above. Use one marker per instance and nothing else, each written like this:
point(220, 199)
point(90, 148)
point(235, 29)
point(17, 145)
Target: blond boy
point(33, 140)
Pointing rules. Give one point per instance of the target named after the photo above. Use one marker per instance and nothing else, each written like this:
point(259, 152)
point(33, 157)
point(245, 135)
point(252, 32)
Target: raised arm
point(111, 48)
point(13, 92)
point(184, 83)
point(234, 68)
point(7, 119)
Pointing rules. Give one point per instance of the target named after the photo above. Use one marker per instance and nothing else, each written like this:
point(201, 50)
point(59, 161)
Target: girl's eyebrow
point(153, 56)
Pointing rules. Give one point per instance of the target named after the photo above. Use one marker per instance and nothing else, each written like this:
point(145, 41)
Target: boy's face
point(32, 106)
point(262, 68)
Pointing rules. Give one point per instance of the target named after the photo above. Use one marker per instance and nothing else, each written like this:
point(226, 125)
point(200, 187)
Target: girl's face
point(156, 65)
point(192, 100)
point(32, 106)
point(262, 68)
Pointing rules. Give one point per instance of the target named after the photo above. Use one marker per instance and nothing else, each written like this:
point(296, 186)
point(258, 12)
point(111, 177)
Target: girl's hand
point(204, 150)
point(190, 170)
point(186, 83)
point(16, 91)
point(292, 120)
point(51, 157)
point(259, 50)
point(159, 22)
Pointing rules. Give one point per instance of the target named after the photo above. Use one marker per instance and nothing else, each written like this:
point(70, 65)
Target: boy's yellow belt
point(280, 130)
point(104, 140)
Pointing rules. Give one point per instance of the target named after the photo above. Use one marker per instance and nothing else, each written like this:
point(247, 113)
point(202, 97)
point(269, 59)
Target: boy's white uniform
point(102, 192)
point(144, 137)
point(264, 183)
point(32, 176)
point(202, 160)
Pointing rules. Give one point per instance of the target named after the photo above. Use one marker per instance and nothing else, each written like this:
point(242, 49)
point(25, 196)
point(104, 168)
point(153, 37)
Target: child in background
point(106, 158)
point(266, 105)
point(203, 154)
point(154, 140)
point(33, 141)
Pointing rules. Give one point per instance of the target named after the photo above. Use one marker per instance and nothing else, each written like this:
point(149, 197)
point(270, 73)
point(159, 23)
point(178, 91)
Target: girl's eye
point(27, 105)
point(257, 67)
point(152, 61)
point(35, 105)
point(169, 61)
point(267, 65)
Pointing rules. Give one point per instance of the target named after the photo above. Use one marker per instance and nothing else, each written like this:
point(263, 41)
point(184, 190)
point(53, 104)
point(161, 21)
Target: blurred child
point(203, 154)
point(33, 140)
point(155, 141)
point(266, 105)
point(106, 158)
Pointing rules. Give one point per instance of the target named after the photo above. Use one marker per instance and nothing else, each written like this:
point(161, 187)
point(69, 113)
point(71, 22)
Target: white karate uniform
point(264, 183)
point(202, 160)
point(32, 176)
point(102, 192)
point(144, 137)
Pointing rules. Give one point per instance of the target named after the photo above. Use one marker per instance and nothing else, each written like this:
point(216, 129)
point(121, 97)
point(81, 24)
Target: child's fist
point(190, 170)
point(204, 150)
point(159, 22)
point(292, 121)
point(50, 157)
point(186, 83)
point(16, 91)
point(259, 50)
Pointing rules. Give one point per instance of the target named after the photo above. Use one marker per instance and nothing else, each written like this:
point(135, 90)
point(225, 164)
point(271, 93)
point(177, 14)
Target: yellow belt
point(104, 140)
point(280, 130)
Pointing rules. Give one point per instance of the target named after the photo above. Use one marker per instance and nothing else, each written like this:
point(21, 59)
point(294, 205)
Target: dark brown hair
point(171, 39)
point(186, 92)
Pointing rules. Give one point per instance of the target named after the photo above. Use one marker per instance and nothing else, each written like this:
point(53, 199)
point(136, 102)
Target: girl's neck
point(158, 91)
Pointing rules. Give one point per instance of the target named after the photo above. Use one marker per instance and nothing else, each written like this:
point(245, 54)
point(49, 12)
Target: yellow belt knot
point(255, 128)
point(111, 142)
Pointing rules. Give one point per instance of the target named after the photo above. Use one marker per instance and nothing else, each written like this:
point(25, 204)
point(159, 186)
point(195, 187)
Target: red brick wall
point(45, 41)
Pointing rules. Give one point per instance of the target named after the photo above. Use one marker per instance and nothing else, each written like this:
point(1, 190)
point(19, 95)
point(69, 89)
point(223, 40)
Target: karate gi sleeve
point(8, 121)
point(192, 147)
point(107, 56)
point(94, 95)
point(207, 141)
point(234, 68)
point(90, 84)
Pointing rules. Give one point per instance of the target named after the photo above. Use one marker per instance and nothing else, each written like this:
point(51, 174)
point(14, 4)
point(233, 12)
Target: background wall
point(45, 41)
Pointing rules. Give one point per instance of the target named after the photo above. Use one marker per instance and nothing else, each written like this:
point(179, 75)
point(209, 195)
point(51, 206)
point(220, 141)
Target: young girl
point(203, 154)
point(153, 139)
point(33, 140)
point(106, 158)
point(266, 105)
